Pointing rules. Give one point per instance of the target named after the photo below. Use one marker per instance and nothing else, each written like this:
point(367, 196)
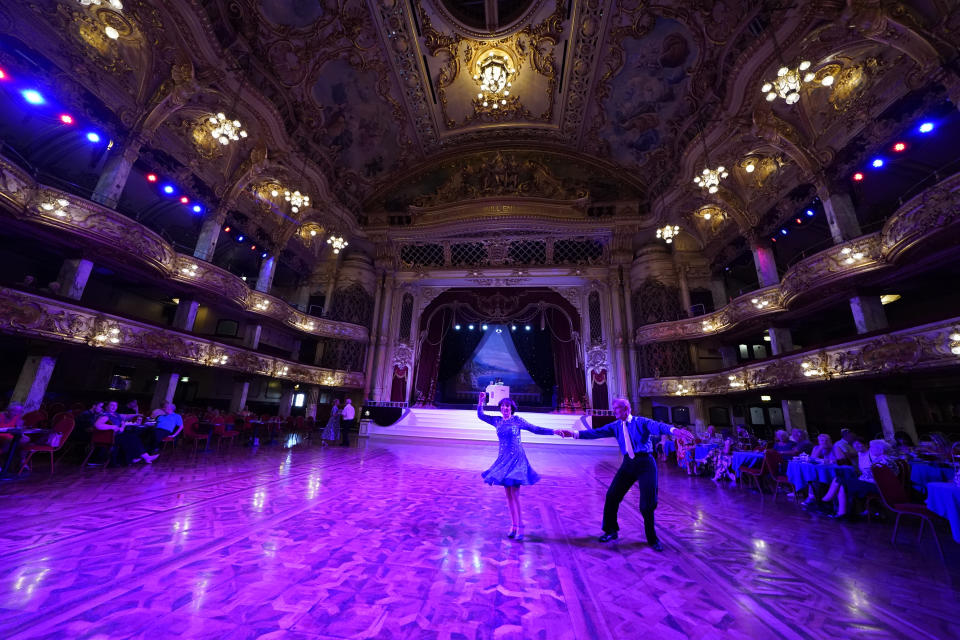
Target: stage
point(461, 424)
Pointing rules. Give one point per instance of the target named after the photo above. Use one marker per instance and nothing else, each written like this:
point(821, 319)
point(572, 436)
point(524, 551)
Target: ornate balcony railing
point(116, 235)
point(33, 316)
point(929, 346)
point(919, 221)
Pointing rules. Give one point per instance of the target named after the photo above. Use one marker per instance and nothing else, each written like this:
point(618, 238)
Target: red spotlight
point(151, 177)
point(184, 199)
point(858, 176)
point(3, 74)
point(253, 247)
point(66, 118)
point(799, 221)
point(226, 229)
point(773, 239)
point(900, 146)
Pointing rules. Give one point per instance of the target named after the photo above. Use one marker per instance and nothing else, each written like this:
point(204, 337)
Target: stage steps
point(458, 424)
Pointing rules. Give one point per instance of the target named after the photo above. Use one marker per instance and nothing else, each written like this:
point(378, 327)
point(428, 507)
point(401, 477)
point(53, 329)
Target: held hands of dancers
point(682, 434)
point(564, 433)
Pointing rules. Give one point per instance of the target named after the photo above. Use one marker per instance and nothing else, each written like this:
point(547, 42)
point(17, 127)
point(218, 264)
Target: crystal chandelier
point(668, 233)
point(494, 71)
point(709, 179)
point(224, 131)
point(296, 200)
point(788, 82)
point(337, 242)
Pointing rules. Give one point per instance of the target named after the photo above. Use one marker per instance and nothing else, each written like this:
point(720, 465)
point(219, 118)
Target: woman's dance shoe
point(519, 536)
point(513, 533)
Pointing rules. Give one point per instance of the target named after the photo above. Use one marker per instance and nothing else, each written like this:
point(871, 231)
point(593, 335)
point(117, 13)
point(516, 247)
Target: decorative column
point(382, 338)
point(895, 415)
point(616, 336)
point(267, 270)
point(251, 336)
point(116, 171)
point(73, 277)
point(210, 232)
point(794, 416)
point(868, 313)
point(186, 315)
point(368, 369)
point(286, 403)
point(164, 389)
point(333, 263)
point(765, 263)
point(781, 340)
point(238, 400)
point(718, 290)
point(728, 355)
point(841, 215)
point(313, 396)
point(631, 346)
point(33, 380)
point(684, 288)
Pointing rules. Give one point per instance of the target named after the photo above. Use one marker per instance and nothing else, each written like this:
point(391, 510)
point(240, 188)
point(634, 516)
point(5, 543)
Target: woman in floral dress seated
point(722, 459)
point(511, 469)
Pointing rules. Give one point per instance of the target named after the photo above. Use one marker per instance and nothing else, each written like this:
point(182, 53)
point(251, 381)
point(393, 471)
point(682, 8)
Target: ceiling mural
point(647, 95)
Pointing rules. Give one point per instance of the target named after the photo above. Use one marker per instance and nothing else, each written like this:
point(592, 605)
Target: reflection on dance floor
point(403, 540)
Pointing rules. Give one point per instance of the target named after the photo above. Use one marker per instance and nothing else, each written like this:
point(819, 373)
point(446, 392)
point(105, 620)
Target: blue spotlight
point(93, 137)
point(484, 327)
point(810, 213)
point(926, 127)
point(33, 96)
point(783, 232)
point(877, 163)
point(239, 238)
point(527, 328)
point(470, 327)
point(168, 189)
point(263, 255)
point(456, 327)
point(197, 208)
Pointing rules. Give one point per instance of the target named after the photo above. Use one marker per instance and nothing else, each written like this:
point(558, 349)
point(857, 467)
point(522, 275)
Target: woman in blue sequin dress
point(511, 469)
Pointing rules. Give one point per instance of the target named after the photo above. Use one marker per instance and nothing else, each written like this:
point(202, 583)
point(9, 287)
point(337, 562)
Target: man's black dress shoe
point(607, 537)
point(656, 546)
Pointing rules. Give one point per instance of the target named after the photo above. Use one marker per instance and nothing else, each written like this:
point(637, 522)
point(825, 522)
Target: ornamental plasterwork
point(921, 218)
point(402, 355)
point(115, 234)
point(499, 282)
point(914, 349)
point(571, 295)
point(597, 357)
point(34, 316)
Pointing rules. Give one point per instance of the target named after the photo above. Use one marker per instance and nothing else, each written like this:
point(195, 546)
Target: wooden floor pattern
point(402, 540)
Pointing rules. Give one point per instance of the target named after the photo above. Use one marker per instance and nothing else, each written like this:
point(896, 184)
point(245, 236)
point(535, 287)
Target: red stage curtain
point(571, 385)
point(601, 399)
point(398, 391)
point(428, 361)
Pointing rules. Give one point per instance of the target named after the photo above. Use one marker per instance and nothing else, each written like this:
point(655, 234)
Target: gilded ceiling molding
point(33, 316)
point(112, 233)
point(915, 349)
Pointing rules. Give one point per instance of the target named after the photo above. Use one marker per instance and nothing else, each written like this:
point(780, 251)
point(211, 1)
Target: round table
point(923, 473)
point(745, 459)
point(703, 450)
point(943, 498)
point(800, 474)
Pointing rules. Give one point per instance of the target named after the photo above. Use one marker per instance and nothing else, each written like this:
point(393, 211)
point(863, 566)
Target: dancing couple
point(512, 469)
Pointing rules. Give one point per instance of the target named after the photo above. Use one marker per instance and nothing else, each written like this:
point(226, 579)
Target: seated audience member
point(128, 442)
point(710, 435)
point(10, 419)
point(169, 424)
point(131, 412)
point(781, 443)
point(722, 458)
point(801, 444)
point(28, 282)
point(84, 422)
point(824, 453)
point(903, 443)
point(878, 452)
point(843, 450)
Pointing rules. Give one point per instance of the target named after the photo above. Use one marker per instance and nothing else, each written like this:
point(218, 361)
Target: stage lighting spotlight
point(168, 189)
point(527, 328)
point(858, 176)
point(456, 327)
point(93, 137)
point(810, 212)
point(484, 327)
point(184, 200)
point(783, 232)
point(66, 118)
point(151, 177)
point(470, 327)
point(900, 146)
point(263, 255)
point(239, 238)
point(226, 229)
point(197, 208)
point(513, 327)
point(877, 163)
point(926, 127)
point(499, 330)
point(253, 247)
point(32, 96)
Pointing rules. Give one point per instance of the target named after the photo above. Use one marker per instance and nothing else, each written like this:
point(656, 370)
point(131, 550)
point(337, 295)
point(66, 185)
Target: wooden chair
point(756, 473)
point(774, 463)
point(223, 433)
point(896, 499)
point(35, 419)
point(64, 426)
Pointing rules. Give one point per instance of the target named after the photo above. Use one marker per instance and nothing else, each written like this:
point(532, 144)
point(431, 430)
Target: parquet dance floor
point(402, 540)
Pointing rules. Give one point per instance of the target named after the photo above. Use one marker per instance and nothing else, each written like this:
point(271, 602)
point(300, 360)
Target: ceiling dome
point(486, 16)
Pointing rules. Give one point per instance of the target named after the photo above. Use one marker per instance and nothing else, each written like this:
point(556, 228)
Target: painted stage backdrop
point(495, 358)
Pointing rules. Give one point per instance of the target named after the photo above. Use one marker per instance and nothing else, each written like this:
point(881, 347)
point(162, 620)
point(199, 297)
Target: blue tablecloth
point(746, 459)
point(923, 473)
point(702, 450)
point(800, 474)
point(669, 446)
point(943, 498)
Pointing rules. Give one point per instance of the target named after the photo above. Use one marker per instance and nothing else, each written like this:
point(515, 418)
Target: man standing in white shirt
point(346, 421)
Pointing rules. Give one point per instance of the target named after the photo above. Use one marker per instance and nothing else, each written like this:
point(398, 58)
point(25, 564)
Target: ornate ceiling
point(374, 106)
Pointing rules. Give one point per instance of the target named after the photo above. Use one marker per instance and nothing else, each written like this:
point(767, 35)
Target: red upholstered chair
point(100, 439)
point(756, 473)
point(190, 432)
point(774, 463)
point(896, 499)
point(34, 419)
point(64, 426)
point(224, 433)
